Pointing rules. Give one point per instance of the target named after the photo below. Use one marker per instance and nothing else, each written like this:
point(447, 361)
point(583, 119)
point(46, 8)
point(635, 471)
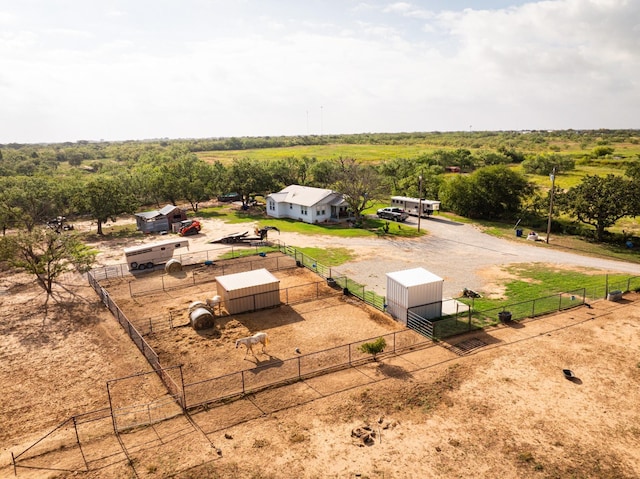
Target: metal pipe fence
point(348, 285)
point(229, 252)
point(467, 318)
point(229, 386)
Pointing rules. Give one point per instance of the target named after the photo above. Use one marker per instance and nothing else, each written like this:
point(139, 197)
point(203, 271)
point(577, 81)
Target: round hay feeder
point(173, 266)
point(201, 318)
point(197, 304)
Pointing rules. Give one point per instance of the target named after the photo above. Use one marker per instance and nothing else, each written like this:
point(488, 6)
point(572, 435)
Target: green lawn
point(328, 256)
point(535, 281)
point(371, 226)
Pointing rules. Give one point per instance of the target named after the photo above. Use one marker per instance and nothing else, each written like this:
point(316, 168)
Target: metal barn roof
point(246, 279)
point(414, 277)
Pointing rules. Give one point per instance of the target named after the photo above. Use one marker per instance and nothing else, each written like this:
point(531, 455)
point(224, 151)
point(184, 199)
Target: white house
point(308, 204)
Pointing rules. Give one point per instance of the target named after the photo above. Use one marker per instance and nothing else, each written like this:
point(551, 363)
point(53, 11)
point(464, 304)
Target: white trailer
point(148, 255)
point(412, 205)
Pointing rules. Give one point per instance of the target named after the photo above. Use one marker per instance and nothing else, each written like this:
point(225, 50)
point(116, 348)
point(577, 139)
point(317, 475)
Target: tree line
point(154, 174)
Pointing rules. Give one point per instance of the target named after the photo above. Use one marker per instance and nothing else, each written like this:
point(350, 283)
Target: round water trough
point(201, 318)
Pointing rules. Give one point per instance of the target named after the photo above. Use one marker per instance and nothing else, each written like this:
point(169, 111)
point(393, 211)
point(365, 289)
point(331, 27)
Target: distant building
point(163, 219)
point(308, 204)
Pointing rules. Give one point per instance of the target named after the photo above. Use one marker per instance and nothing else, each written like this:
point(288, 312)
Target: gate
point(420, 324)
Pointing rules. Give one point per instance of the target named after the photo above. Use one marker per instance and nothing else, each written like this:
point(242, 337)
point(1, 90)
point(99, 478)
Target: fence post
point(560, 303)
point(242, 379)
point(349, 346)
point(533, 308)
point(184, 393)
point(299, 369)
point(113, 416)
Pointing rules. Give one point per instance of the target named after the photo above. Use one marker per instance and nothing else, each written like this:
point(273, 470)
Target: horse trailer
point(412, 205)
point(148, 255)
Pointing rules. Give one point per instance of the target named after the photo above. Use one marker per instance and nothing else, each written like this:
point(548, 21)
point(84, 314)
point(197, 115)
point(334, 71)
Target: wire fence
point(349, 286)
point(467, 318)
point(220, 255)
point(249, 303)
point(226, 387)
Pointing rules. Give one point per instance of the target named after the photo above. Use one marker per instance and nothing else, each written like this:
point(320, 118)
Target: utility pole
point(553, 183)
point(419, 201)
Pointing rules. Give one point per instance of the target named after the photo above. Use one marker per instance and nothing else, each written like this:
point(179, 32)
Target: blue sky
point(137, 69)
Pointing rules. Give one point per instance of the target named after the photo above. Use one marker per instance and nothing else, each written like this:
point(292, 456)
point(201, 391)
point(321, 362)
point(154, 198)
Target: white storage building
point(414, 287)
point(248, 291)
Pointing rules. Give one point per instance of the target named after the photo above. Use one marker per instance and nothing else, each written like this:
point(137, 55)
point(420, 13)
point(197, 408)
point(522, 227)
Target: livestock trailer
point(148, 255)
point(248, 291)
point(417, 289)
point(413, 205)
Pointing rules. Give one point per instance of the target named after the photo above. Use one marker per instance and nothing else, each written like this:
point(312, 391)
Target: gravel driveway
point(457, 252)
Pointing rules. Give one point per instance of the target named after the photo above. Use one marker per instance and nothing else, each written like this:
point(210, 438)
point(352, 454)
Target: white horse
point(251, 341)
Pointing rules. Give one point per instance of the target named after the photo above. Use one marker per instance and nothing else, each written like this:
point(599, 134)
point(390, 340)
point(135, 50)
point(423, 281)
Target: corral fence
point(187, 259)
point(136, 337)
point(288, 371)
point(253, 302)
point(463, 317)
point(127, 414)
point(467, 318)
point(333, 278)
point(242, 382)
point(74, 430)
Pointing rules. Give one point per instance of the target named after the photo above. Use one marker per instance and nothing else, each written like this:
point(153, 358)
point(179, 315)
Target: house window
point(303, 210)
point(272, 206)
point(290, 206)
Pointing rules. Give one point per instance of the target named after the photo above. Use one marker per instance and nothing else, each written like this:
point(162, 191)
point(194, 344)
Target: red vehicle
point(189, 227)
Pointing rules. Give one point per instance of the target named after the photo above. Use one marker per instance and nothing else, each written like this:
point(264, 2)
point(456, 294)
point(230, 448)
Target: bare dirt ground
point(495, 404)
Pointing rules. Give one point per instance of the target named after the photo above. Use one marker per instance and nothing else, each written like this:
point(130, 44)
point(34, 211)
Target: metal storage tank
point(414, 287)
point(249, 291)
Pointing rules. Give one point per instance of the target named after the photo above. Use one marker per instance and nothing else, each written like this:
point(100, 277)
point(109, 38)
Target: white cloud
point(553, 64)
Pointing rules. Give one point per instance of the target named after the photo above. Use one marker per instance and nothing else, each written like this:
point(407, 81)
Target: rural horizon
point(316, 135)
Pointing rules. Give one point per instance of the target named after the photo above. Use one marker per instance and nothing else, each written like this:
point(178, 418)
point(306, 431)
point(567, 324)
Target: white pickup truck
point(392, 213)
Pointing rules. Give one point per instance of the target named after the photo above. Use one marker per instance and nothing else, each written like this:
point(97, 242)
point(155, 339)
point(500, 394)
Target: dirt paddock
point(325, 319)
point(493, 404)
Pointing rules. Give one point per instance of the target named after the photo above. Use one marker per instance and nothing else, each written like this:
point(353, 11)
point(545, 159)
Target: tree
point(544, 164)
point(47, 255)
point(492, 192)
point(374, 348)
point(289, 171)
point(248, 177)
point(30, 199)
point(360, 184)
point(600, 201)
point(105, 198)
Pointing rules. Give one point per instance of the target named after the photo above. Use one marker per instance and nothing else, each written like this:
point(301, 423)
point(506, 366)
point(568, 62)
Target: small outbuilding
point(416, 289)
point(249, 291)
point(156, 221)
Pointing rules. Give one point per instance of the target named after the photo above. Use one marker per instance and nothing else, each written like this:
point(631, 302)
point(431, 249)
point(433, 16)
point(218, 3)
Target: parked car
point(392, 213)
point(229, 197)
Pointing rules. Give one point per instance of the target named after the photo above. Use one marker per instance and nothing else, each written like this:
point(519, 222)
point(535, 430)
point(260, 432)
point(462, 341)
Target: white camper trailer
point(148, 255)
point(412, 205)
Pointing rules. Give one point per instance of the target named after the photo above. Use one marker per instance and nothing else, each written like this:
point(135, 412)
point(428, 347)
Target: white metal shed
point(249, 291)
point(411, 288)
